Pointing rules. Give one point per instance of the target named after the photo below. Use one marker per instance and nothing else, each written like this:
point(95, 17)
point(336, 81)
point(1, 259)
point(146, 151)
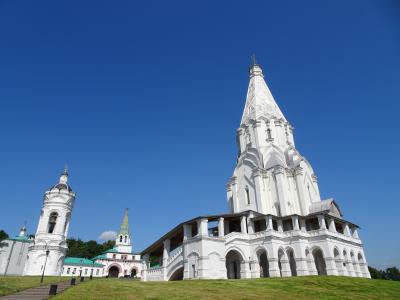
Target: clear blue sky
point(142, 102)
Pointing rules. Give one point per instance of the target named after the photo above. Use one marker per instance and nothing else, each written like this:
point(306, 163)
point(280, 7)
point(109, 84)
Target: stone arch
point(177, 274)
point(319, 261)
point(114, 270)
point(234, 262)
point(133, 273)
point(262, 259)
point(292, 261)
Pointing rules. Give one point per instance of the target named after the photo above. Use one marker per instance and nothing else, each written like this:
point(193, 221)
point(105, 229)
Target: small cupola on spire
point(22, 231)
point(63, 181)
point(255, 68)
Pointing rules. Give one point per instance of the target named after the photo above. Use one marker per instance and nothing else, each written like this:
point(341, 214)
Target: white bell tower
point(49, 248)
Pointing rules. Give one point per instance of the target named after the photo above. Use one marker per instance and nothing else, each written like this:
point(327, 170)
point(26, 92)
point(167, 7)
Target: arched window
point(269, 137)
point(52, 222)
point(120, 238)
point(247, 195)
point(125, 238)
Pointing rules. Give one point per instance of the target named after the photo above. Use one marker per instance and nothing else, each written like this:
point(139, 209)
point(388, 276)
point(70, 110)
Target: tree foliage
point(89, 249)
point(392, 273)
point(3, 235)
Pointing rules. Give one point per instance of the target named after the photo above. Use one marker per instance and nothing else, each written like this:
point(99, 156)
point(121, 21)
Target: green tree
point(376, 274)
point(392, 274)
point(3, 235)
point(89, 249)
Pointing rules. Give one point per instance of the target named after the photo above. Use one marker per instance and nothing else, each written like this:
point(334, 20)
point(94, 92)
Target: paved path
point(37, 293)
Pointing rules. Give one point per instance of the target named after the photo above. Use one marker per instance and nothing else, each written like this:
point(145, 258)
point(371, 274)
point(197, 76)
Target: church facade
point(277, 224)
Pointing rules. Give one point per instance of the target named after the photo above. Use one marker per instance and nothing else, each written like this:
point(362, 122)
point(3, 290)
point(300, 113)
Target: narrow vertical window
point(120, 238)
point(247, 195)
point(52, 222)
point(269, 137)
point(125, 239)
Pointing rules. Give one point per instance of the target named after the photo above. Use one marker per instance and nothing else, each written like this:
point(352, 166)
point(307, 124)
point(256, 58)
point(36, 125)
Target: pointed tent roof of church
point(259, 100)
point(124, 229)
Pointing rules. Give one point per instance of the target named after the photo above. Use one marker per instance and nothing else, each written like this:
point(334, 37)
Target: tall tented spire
point(124, 230)
point(259, 100)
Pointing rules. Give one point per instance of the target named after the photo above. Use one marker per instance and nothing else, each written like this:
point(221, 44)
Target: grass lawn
point(13, 284)
point(310, 287)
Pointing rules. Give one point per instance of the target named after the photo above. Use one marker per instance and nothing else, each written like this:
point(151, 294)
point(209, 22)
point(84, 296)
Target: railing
point(173, 254)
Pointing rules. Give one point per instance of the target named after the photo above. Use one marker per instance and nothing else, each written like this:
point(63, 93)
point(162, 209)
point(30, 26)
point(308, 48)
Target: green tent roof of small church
point(124, 229)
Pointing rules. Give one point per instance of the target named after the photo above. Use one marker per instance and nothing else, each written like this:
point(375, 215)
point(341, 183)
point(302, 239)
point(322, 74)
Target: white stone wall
point(73, 270)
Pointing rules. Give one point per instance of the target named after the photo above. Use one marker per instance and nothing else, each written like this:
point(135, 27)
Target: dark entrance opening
point(233, 261)
point(133, 273)
point(113, 271)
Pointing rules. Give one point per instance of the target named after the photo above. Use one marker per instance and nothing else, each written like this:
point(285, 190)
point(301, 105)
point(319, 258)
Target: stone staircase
point(38, 293)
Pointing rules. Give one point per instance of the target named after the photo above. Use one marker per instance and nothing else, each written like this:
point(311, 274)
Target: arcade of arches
point(315, 263)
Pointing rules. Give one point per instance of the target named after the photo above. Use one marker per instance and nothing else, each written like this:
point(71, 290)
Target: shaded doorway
point(113, 271)
point(319, 261)
point(233, 262)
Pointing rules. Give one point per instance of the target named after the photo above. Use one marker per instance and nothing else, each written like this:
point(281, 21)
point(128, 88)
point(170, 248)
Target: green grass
point(13, 284)
point(310, 287)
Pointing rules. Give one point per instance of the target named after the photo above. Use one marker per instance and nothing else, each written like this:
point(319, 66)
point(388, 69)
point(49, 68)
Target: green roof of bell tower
point(124, 229)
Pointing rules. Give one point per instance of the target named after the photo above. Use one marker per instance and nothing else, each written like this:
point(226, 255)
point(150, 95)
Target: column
point(282, 185)
point(268, 222)
point(347, 230)
point(187, 231)
point(332, 226)
point(295, 221)
point(301, 192)
point(280, 225)
point(235, 201)
point(243, 224)
point(321, 221)
point(167, 245)
point(286, 272)
point(355, 233)
point(250, 223)
point(221, 227)
point(331, 266)
point(258, 183)
point(202, 227)
point(146, 266)
point(273, 267)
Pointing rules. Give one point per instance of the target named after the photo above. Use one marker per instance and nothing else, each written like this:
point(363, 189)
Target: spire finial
point(64, 175)
point(65, 172)
point(253, 60)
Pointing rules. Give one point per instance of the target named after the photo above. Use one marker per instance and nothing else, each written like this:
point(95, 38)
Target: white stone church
point(277, 223)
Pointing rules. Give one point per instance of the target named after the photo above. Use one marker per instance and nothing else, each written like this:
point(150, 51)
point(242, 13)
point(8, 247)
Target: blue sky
point(142, 101)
